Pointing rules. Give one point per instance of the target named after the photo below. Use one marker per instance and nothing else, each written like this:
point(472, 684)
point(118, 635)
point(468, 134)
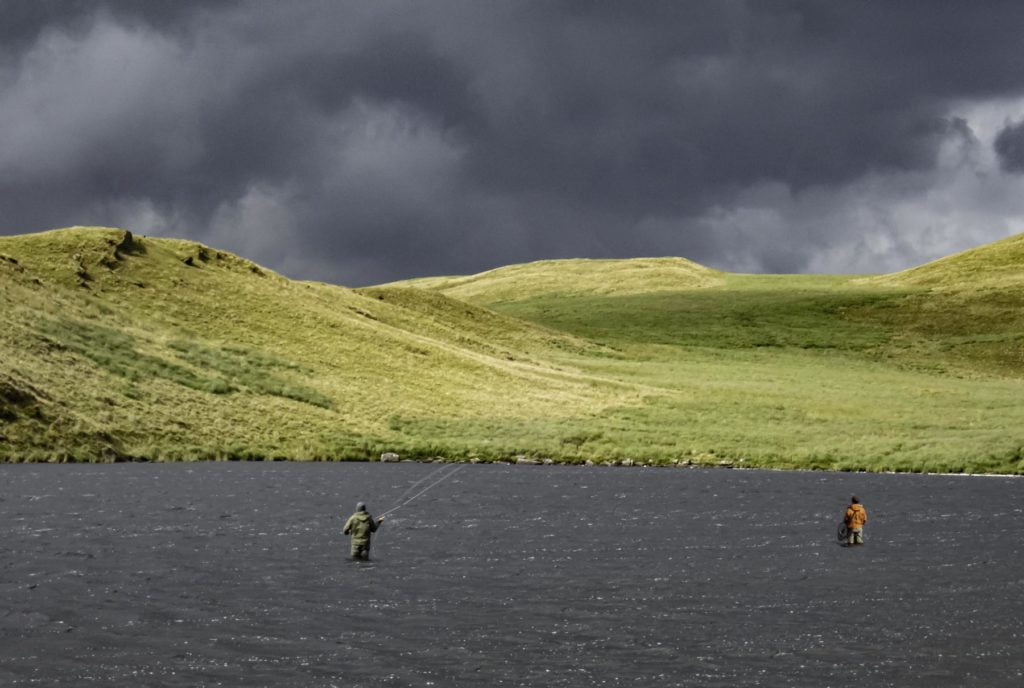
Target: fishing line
point(436, 482)
point(428, 476)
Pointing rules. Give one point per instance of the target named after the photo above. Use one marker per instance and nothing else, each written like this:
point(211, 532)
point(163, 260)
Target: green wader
point(360, 525)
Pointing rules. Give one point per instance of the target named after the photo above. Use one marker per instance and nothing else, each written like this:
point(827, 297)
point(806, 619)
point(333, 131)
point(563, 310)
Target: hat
point(360, 506)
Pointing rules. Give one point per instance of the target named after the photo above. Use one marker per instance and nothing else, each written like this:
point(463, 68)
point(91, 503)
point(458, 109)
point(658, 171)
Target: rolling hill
point(116, 346)
point(573, 277)
point(999, 265)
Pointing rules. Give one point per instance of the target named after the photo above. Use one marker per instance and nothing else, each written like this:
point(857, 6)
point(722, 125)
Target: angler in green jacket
point(360, 525)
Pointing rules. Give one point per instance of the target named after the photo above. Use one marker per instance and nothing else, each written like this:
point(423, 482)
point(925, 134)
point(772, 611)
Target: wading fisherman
point(360, 525)
point(856, 517)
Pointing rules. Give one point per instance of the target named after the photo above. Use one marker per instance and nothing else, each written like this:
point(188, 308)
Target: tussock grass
point(116, 351)
point(172, 351)
point(123, 347)
point(806, 371)
point(252, 370)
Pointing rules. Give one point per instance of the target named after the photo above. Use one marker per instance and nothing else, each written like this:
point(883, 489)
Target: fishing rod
point(413, 486)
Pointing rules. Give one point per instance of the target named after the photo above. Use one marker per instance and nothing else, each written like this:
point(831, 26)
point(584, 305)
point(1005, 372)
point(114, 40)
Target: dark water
point(236, 575)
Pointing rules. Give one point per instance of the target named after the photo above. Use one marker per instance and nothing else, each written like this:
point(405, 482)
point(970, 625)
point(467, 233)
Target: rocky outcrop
point(17, 399)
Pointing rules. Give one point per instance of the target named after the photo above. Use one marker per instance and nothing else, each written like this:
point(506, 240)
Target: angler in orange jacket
point(856, 517)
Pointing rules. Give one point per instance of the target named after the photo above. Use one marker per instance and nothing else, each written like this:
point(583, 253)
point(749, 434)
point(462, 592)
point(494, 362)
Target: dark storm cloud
point(1009, 145)
point(361, 142)
point(24, 20)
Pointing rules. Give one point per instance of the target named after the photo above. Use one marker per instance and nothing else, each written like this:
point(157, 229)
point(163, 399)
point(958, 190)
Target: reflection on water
point(235, 575)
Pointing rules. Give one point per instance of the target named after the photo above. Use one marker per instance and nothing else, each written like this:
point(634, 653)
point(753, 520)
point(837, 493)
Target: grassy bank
point(118, 346)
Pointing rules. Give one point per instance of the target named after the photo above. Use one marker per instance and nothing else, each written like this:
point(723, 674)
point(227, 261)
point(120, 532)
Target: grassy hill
point(965, 309)
point(115, 345)
point(999, 265)
point(573, 277)
point(886, 373)
point(119, 346)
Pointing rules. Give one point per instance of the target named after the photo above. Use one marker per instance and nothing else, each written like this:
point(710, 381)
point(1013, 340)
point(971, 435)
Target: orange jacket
point(856, 516)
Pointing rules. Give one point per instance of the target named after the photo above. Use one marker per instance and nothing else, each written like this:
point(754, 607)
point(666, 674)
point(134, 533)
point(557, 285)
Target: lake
point(236, 574)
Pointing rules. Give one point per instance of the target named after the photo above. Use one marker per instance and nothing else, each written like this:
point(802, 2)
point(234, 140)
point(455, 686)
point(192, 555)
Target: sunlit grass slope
point(574, 277)
point(120, 346)
point(808, 370)
point(999, 265)
point(966, 310)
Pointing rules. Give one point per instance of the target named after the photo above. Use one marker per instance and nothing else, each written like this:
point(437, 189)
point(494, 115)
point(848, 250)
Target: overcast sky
point(362, 142)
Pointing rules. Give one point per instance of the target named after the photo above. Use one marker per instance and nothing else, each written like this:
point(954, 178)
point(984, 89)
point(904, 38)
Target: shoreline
point(525, 461)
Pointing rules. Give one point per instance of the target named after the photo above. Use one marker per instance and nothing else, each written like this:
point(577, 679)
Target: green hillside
point(884, 373)
point(999, 265)
point(572, 278)
point(121, 346)
point(116, 346)
point(965, 309)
